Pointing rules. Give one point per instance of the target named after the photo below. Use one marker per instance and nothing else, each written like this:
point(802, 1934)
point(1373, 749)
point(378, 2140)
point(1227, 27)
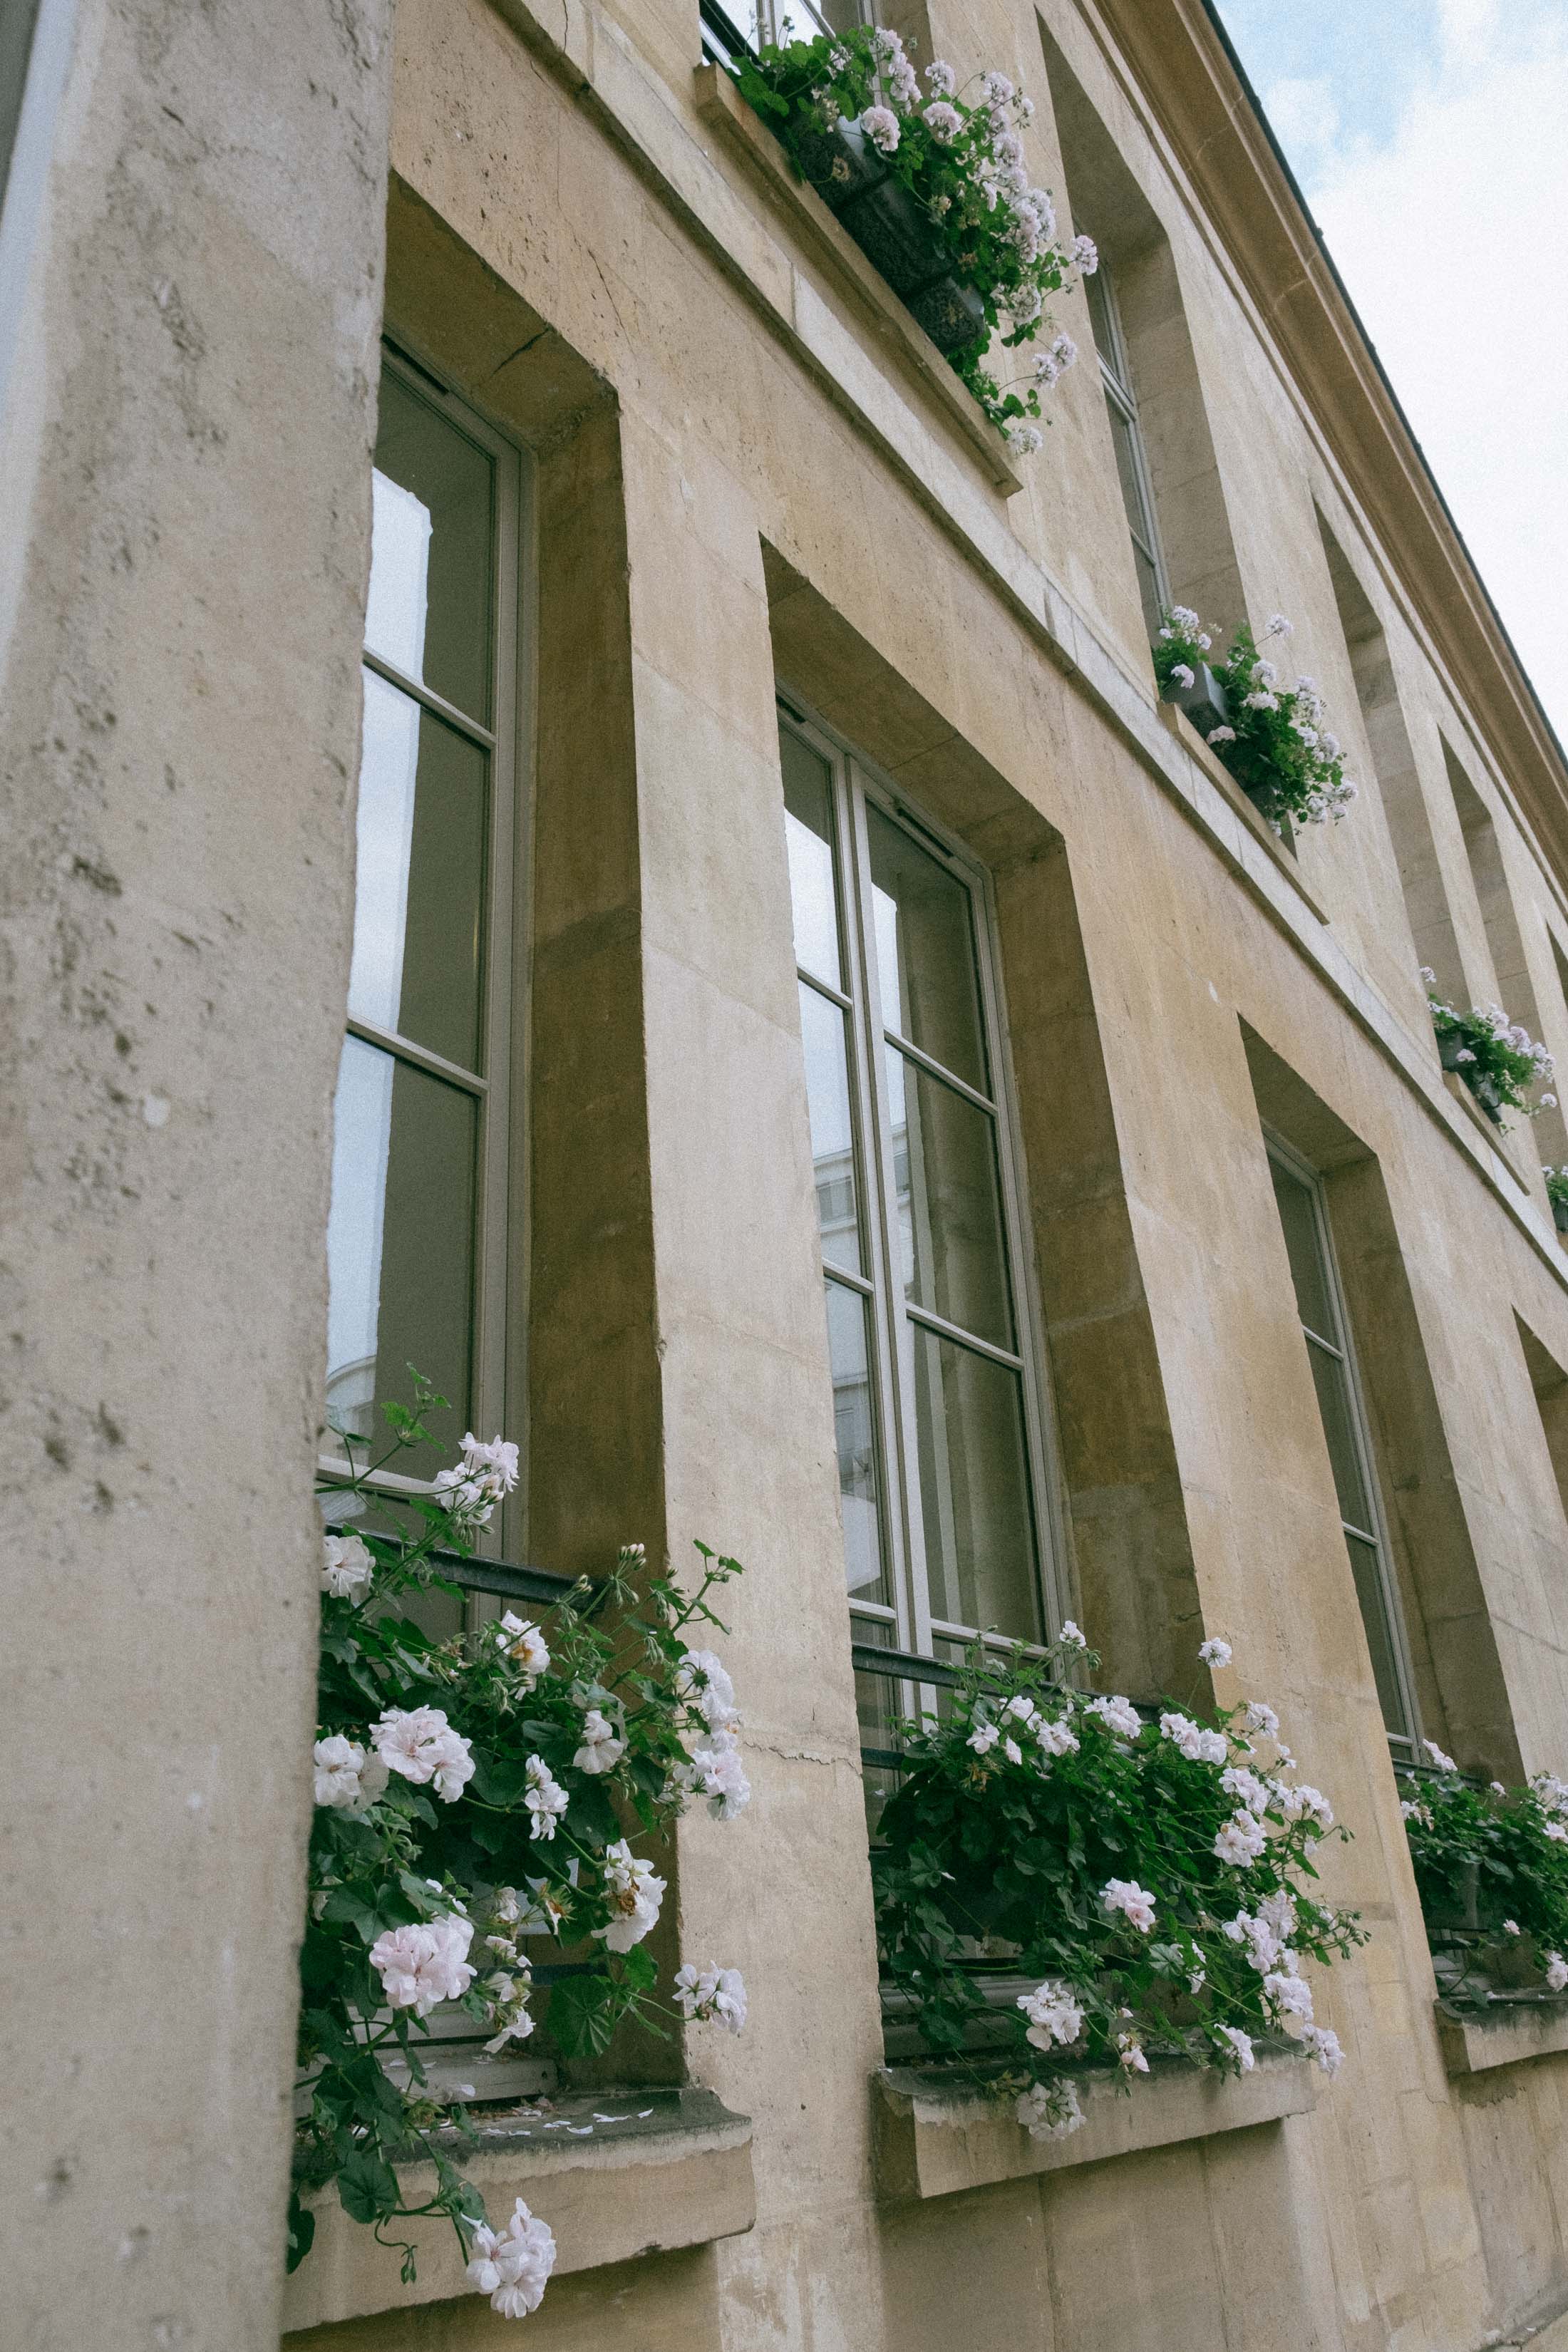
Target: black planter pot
point(892, 231)
point(1204, 701)
point(1482, 1090)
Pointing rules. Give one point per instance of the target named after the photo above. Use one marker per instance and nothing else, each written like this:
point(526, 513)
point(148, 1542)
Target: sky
point(1430, 139)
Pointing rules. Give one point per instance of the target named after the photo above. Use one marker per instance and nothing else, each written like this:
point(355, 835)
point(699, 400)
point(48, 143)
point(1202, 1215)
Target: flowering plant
point(1556, 1182)
point(1496, 1059)
point(960, 158)
point(1497, 1859)
point(1274, 742)
point(1153, 1877)
point(475, 1795)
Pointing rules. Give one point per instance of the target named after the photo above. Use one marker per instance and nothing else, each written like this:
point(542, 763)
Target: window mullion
point(894, 1341)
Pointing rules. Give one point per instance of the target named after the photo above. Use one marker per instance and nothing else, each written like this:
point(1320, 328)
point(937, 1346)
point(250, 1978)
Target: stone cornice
point(1193, 85)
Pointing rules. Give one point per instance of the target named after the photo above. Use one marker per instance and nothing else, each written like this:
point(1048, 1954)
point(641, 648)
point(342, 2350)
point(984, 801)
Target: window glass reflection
point(925, 951)
point(418, 892)
point(950, 1202)
point(432, 552)
point(823, 1034)
point(854, 1430)
point(974, 1489)
point(808, 834)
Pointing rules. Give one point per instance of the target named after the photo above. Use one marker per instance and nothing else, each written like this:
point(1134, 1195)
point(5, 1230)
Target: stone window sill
point(1512, 2027)
point(1178, 724)
point(726, 112)
point(673, 2169)
point(935, 2136)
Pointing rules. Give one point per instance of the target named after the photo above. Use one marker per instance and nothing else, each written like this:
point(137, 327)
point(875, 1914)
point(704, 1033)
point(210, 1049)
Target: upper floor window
point(730, 25)
point(1127, 438)
point(936, 1406)
point(417, 1233)
point(1320, 1305)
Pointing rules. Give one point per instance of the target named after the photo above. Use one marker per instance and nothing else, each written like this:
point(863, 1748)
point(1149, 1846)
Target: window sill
point(1177, 722)
point(726, 112)
point(678, 2175)
point(1512, 2027)
point(935, 2136)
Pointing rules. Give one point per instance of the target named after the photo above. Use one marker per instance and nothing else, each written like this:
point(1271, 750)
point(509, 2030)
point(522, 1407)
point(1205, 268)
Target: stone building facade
point(742, 583)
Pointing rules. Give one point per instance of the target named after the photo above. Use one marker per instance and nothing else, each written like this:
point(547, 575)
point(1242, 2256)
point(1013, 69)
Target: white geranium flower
point(1049, 2110)
point(1240, 1841)
point(1324, 2046)
point(420, 1744)
point(984, 1737)
point(1021, 1710)
point(1556, 1972)
point(880, 126)
point(1246, 1787)
point(940, 79)
point(1055, 1735)
point(513, 2268)
point(943, 122)
point(518, 1639)
point(1215, 1652)
point(347, 1780)
point(1185, 676)
point(1053, 2013)
point(711, 1996)
point(1130, 2053)
point(1291, 1995)
point(1012, 1751)
point(545, 1797)
point(635, 1894)
point(346, 1568)
point(1241, 2043)
point(602, 1746)
point(1277, 625)
point(1444, 1763)
point(1027, 439)
point(1221, 735)
point(1259, 1717)
point(1135, 1901)
point(1198, 1746)
point(425, 1962)
point(1511, 1926)
point(1070, 1638)
point(703, 1684)
point(717, 1773)
point(1117, 1714)
point(1085, 255)
point(1261, 1937)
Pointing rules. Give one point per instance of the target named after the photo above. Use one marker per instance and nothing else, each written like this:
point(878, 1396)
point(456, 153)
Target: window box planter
point(1205, 701)
point(1559, 1216)
point(1481, 1088)
point(893, 232)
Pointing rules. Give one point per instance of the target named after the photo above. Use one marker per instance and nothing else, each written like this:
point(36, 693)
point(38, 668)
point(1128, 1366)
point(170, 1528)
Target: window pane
point(854, 1428)
point(1123, 436)
point(925, 951)
point(1379, 1640)
point(1298, 1215)
point(808, 831)
point(400, 1240)
point(418, 893)
point(950, 1202)
point(1148, 590)
point(832, 1149)
point(878, 1706)
point(974, 1490)
point(431, 552)
point(1334, 1404)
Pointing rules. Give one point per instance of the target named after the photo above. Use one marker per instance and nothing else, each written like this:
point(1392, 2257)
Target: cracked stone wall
point(183, 437)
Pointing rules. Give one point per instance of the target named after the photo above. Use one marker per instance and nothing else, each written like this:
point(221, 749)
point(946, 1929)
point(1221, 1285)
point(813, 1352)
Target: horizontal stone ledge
point(616, 2175)
point(1511, 2028)
point(935, 2136)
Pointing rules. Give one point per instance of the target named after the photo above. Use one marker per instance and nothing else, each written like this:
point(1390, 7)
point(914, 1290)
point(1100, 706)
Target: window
point(751, 24)
point(1320, 1304)
point(1132, 461)
point(416, 1234)
point(935, 1406)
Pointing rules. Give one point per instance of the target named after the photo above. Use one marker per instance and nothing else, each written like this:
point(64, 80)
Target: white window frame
point(1116, 377)
point(908, 1624)
point(723, 38)
point(1405, 1742)
point(497, 1368)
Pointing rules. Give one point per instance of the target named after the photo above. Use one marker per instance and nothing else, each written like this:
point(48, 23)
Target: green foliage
point(1556, 1186)
point(1496, 1855)
point(997, 236)
point(412, 1854)
point(1496, 1059)
point(1274, 742)
point(998, 1861)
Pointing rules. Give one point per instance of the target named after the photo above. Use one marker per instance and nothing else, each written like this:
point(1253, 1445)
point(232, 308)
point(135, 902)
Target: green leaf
point(582, 2016)
point(301, 2231)
point(367, 2186)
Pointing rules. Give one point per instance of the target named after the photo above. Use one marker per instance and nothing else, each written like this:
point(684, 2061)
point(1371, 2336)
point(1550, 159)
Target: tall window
point(938, 1419)
point(1127, 438)
point(730, 25)
point(417, 1234)
point(1320, 1304)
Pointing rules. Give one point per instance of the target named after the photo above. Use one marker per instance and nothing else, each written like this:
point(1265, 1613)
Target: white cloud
point(1452, 237)
point(1305, 116)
